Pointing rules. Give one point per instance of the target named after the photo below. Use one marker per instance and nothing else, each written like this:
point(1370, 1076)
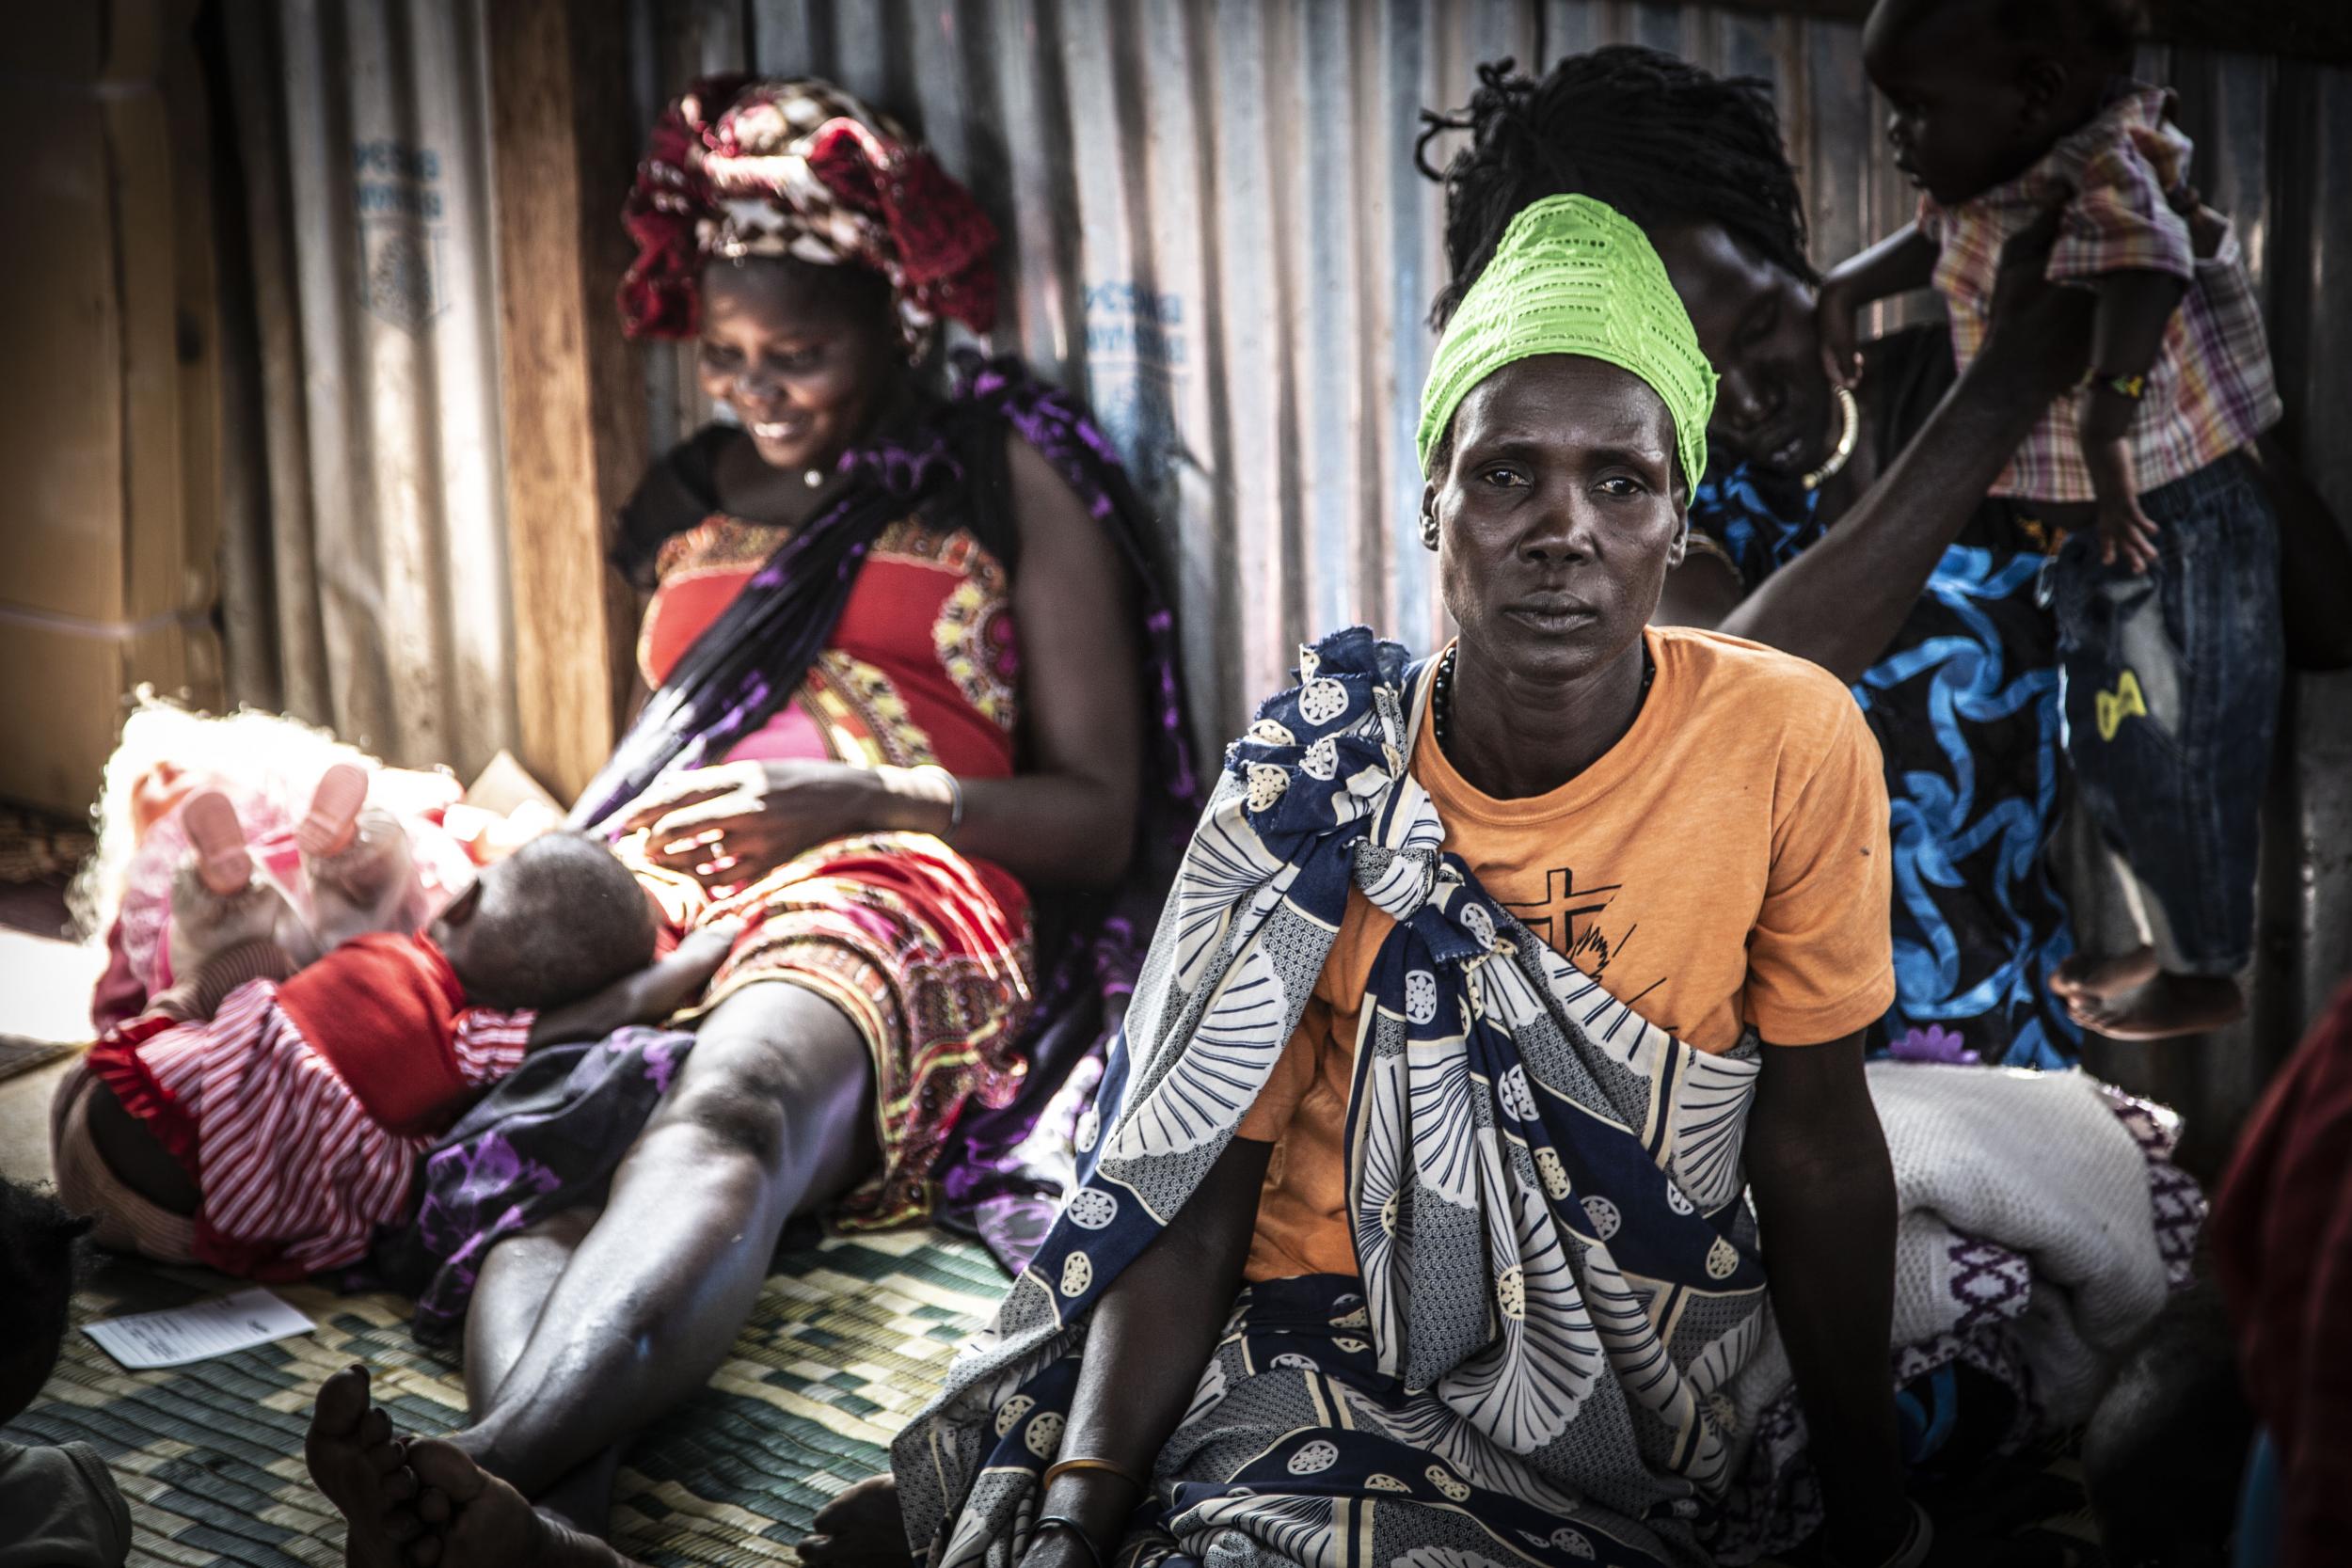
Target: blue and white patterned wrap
point(1558, 1275)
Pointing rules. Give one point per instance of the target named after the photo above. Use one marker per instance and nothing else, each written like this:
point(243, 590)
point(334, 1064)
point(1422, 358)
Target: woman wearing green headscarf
point(1411, 1227)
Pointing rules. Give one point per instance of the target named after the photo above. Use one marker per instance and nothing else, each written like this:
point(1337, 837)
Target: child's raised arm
point(2122, 239)
point(1898, 263)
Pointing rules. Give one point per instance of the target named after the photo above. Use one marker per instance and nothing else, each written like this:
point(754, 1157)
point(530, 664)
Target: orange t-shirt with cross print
point(1724, 867)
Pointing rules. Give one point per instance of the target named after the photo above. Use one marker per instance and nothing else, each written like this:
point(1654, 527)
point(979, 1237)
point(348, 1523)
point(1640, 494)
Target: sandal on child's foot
point(334, 810)
point(223, 865)
point(220, 899)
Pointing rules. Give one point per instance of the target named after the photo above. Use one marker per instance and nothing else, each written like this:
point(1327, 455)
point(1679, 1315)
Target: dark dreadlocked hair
point(1654, 136)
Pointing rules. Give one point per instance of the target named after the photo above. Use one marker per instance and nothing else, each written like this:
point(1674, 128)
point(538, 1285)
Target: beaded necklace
point(1441, 693)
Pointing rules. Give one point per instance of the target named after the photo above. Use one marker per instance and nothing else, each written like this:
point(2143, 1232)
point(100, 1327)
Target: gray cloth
point(59, 1509)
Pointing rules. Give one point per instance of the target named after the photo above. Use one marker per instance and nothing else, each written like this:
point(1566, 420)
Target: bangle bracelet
point(1914, 1550)
point(1917, 1542)
point(1055, 1473)
point(1066, 1521)
point(955, 796)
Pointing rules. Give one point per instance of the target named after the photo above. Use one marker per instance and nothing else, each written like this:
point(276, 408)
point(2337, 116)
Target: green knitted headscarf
point(1574, 276)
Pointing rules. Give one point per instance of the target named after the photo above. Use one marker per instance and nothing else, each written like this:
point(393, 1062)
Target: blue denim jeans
point(2168, 685)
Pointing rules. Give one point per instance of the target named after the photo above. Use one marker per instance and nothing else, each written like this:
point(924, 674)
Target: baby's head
point(552, 923)
point(1980, 90)
point(36, 1248)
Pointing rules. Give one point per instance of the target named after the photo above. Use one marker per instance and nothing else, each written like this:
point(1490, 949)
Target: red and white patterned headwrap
point(743, 166)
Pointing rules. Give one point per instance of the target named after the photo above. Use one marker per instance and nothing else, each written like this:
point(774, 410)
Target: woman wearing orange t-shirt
point(1489, 989)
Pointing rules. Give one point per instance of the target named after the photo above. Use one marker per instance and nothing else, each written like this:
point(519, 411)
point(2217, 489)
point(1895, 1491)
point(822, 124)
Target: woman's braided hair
point(1654, 136)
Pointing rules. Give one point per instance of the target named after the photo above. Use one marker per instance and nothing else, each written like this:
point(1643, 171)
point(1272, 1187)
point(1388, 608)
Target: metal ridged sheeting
point(1214, 230)
point(380, 505)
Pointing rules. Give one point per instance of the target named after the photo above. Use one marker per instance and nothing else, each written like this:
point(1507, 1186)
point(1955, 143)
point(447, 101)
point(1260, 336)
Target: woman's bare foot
point(860, 1529)
point(362, 1464)
point(2167, 1006)
point(582, 1500)
point(478, 1521)
point(2088, 975)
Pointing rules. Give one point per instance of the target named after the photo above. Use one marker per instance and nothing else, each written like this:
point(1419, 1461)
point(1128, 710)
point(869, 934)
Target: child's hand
point(1834, 312)
point(2127, 534)
point(662, 988)
point(649, 996)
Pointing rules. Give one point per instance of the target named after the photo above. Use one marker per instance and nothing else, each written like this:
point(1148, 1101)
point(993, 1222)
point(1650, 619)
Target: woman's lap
point(929, 964)
point(778, 1072)
point(834, 1096)
point(778, 1075)
point(1296, 1440)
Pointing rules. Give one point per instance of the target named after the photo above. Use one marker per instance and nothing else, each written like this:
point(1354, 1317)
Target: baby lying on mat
point(265, 1122)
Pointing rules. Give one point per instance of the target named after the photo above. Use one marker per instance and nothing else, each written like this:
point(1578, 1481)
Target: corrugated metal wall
point(1215, 229)
point(369, 557)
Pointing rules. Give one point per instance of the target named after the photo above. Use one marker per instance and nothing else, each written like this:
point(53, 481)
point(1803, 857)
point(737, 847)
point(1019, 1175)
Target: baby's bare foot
point(860, 1529)
point(360, 1464)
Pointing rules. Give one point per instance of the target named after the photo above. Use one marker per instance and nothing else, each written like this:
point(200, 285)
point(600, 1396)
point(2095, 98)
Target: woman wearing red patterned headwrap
point(913, 720)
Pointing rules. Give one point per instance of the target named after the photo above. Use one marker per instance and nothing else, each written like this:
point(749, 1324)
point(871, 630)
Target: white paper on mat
point(180, 1335)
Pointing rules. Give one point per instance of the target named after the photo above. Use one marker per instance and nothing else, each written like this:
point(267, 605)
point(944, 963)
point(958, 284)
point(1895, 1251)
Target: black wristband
point(1918, 1539)
point(1066, 1521)
point(2132, 387)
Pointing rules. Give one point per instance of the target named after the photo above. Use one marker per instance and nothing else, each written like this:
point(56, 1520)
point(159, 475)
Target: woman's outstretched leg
point(518, 1278)
point(770, 1115)
point(518, 1275)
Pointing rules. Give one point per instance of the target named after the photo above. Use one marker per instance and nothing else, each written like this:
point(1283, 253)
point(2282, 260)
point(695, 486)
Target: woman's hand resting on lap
point(732, 823)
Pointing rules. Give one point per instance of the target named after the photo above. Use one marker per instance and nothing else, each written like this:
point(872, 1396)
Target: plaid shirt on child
point(2210, 391)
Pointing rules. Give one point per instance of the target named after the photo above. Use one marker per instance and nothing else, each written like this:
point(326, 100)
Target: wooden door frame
point(563, 150)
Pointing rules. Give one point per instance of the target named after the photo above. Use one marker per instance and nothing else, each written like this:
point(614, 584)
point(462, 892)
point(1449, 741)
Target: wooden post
point(563, 151)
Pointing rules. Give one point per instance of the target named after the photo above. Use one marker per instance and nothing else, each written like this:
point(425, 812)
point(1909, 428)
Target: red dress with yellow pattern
point(925, 950)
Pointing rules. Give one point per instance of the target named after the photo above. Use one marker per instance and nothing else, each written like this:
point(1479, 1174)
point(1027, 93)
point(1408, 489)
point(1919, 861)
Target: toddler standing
point(2166, 589)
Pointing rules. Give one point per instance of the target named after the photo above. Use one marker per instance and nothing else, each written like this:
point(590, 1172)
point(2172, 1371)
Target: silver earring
point(1429, 530)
